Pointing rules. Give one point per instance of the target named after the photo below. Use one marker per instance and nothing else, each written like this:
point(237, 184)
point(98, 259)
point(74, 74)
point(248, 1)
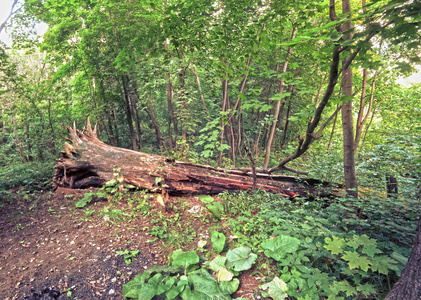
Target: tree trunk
point(89, 162)
point(128, 111)
point(277, 106)
point(408, 286)
point(347, 122)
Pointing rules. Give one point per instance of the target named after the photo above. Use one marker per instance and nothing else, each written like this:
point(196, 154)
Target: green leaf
point(277, 288)
point(342, 286)
point(229, 287)
point(334, 245)
point(383, 264)
point(367, 289)
point(176, 290)
point(184, 259)
point(83, 202)
point(216, 209)
point(280, 246)
point(205, 287)
point(218, 241)
point(335, 35)
point(240, 259)
point(355, 260)
point(205, 198)
point(369, 246)
point(217, 263)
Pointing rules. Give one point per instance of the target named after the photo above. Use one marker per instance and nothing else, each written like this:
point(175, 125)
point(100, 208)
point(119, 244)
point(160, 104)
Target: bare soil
point(51, 250)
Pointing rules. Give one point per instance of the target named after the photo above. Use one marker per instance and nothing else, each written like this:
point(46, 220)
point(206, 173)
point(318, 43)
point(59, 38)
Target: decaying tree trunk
point(88, 162)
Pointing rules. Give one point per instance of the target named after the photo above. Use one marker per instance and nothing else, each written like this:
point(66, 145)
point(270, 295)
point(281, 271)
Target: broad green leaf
point(277, 289)
point(217, 263)
point(383, 264)
point(218, 241)
point(205, 287)
point(334, 245)
point(176, 290)
point(240, 259)
point(367, 289)
point(280, 246)
point(355, 260)
point(205, 198)
point(216, 209)
point(184, 259)
point(229, 287)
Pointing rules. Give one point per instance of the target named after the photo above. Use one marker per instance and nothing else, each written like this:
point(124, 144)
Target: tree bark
point(128, 111)
point(88, 162)
point(408, 286)
point(347, 122)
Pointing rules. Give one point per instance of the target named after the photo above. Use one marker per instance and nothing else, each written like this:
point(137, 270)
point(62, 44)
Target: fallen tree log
point(88, 162)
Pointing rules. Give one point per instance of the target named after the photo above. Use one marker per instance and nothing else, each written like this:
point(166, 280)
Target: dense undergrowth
point(299, 248)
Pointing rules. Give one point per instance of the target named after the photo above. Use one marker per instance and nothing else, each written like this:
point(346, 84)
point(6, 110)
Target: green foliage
point(187, 279)
point(277, 289)
point(129, 255)
point(321, 247)
point(218, 241)
point(278, 247)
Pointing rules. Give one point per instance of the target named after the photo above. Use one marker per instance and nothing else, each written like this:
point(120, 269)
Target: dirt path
point(51, 250)
point(47, 247)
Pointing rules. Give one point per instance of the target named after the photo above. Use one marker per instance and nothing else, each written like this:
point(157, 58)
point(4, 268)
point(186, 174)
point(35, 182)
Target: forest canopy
point(219, 82)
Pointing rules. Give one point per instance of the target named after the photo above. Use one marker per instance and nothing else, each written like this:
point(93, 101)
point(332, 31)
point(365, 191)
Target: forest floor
point(51, 250)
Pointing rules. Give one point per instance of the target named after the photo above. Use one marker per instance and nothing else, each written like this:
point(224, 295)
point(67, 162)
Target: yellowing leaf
point(224, 275)
point(160, 200)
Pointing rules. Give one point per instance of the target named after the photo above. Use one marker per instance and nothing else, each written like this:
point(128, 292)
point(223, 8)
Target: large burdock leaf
point(217, 263)
point(184, 259)
point(229, 287)
point(280, 246)
point(205, 287)
point(240, 259)
point(218, 241)
point(276, 289)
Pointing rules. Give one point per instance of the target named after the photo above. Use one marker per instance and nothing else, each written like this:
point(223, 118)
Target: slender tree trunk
point(347, 122)
point(152, 115)
point(18, 143)
point(284, 134)
point(182, 100)
point(193, 69)
point(366, 131)
point(28, 142)
point(224, 107)
point(362, 114)
point(137, 122)
point(333, 131)
point(172, 119)
point(277, 106)
point(114, 116)
point(128, 111)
